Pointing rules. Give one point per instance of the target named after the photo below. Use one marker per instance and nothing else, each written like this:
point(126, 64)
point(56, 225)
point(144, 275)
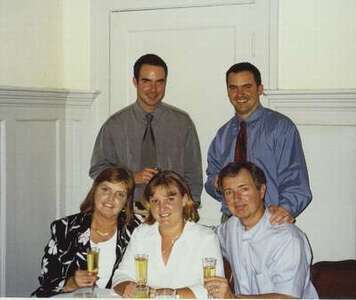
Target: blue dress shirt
point(267, 258)
point(273, 144)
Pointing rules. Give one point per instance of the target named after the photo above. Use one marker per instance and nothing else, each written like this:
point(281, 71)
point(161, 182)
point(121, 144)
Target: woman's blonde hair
point(166, 179)
point(112, 175)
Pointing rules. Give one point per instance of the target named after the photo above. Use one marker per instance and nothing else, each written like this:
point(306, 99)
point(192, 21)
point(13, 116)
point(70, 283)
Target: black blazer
point(67, 249)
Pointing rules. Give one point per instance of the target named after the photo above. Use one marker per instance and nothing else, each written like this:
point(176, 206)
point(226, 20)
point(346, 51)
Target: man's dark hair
point(245, 66)
point(149, 59)
point(234, 168)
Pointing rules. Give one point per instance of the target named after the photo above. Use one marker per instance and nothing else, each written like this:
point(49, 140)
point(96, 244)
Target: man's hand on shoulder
point(145, 175)
point(280, 215)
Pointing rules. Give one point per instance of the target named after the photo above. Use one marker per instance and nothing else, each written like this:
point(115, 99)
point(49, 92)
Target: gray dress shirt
point(119, 144)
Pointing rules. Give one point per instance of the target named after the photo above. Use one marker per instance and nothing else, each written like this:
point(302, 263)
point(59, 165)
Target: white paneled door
point(199, 44)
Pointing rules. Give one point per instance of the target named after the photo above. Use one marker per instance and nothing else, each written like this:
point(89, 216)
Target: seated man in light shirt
point(267, 261)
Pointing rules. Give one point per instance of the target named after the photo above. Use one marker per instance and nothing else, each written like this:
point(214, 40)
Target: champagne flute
point(142, 292)
point(93, 263)
point(141, 262)
point(209, 268)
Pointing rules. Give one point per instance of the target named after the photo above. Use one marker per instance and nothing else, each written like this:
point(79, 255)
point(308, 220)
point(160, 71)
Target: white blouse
point(107, 258)
point(184, 267)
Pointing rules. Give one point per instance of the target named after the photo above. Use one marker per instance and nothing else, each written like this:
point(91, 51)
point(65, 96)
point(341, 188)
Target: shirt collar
point(187, 227)
point(253, 117)
point(253, 232)
point(142, 114)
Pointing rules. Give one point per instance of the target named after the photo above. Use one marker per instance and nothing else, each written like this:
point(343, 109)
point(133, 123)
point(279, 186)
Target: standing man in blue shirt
point(273, 143)
point(267, 261)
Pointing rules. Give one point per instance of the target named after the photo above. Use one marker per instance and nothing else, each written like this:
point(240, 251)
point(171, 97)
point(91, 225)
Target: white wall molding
point(43, 137)
point(181, 4)
point(315, 107)
point(22, 96)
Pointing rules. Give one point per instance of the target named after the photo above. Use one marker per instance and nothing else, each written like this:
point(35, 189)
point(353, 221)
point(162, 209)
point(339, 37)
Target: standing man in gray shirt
point(149, 135)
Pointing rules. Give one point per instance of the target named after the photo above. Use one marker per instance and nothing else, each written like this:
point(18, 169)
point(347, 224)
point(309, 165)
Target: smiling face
point(166, 205)
point(243, 198)
point(110, 198)
point(243, 92)
point(150, 86)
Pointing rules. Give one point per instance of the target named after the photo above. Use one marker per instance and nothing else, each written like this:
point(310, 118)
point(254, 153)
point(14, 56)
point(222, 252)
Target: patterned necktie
point(148, 150)
point(241, 144)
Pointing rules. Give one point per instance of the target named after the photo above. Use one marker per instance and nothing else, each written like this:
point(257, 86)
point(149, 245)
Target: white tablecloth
point(86, 293)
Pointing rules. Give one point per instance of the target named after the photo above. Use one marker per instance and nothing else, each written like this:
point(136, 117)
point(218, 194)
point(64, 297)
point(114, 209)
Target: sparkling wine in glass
point(141, 262)
point(93, 263)
point(209, 268)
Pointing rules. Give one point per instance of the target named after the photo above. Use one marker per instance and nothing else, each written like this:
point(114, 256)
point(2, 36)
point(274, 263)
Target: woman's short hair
point(112, 175)
point(166, 179)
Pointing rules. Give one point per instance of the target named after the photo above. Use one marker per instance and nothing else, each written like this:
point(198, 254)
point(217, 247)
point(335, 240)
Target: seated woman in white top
point(174, 243)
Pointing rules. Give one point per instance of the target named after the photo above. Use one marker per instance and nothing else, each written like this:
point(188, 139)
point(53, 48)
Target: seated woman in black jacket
point(106, 221)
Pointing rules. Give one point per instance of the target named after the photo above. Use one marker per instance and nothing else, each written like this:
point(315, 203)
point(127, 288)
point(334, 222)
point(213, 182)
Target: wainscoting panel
point(2, 206)
point(32, 199)
point(330, 220)
point(327, 124)
point(43, 177)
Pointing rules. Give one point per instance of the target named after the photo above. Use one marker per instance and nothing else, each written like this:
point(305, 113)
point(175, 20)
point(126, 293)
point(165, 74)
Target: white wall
point(31, 43)
point(45, 43)
point(76, 38)
point(317, 44)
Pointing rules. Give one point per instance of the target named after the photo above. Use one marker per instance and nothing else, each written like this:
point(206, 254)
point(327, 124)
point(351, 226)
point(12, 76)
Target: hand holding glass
point(141, 262)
